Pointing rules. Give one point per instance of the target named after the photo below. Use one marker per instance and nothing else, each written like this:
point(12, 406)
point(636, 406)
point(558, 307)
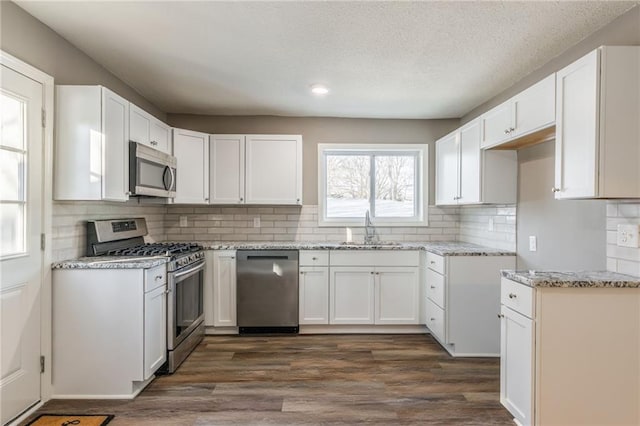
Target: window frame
point(421, 153)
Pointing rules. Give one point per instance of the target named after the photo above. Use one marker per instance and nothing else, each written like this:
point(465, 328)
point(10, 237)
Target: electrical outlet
point(490, 224)
point(533, 243)
point(183, 221)
point(628, 236)
point(256, 222)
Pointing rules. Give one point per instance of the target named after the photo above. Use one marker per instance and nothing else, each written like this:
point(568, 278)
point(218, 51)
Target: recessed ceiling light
point(319, 89)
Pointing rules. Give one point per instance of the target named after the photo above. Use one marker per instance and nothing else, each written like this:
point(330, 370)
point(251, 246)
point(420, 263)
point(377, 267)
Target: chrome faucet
point(370, 234)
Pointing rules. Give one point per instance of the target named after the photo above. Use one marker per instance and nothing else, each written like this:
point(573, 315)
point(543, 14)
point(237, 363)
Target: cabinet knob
point(241, 199)
point(232, 257)
point(314, 258)
point(167, 291)
point(371, 272)
point(432, 287)
point(512, 295)
point(301, 273)
point(432, 319)
point(377, 273)
point(128, 192)
point(206, 199)
point(555, 189)
point(432, 262)
point(158, 277)
point(154, 143)
point(506, 131)
point(298, 200)
point(500, 316)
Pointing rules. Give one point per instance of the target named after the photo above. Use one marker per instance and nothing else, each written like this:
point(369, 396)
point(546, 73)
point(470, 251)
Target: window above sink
point(387, 180)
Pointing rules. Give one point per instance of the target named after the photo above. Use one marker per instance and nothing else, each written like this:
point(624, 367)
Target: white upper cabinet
point(273, 169)
point(597, 131)
point(91, 153)
point(256, 169)
point(144, 128)
point(465, 174)
point(191, 149)
point(226, 184)
point(527, 112)
point(447, 169)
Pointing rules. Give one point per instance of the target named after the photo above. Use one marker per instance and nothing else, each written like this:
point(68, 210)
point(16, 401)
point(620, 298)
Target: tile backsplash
point(493, 226)
point(69, 223)
point(625, 260)
point(277, 223)
point(211, 223)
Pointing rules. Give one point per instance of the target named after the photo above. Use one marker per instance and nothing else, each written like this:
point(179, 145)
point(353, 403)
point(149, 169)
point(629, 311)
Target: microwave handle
point(173, 179)
point(164, 175)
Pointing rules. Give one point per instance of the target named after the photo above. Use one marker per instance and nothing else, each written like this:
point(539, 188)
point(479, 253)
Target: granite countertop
point(441, 248)
point(111, 262)
point(581, 279)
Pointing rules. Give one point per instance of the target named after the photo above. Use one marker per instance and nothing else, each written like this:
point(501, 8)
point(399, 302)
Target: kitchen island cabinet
point(558, 330)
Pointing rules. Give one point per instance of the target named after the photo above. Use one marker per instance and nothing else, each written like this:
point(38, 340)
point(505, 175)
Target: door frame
point(47, 82)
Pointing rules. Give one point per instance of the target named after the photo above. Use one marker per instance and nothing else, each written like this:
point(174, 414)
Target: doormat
point(71, 420)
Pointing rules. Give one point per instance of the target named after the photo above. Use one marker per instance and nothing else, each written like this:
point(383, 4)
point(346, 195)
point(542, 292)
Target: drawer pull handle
point(432, 319)
point(158, 277)
point(433, 262)
point(433, 286)
point(512, 295)
point(500, 316)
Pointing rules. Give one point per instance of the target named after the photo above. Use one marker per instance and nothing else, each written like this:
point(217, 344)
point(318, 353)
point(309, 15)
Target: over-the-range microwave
point(151, 172)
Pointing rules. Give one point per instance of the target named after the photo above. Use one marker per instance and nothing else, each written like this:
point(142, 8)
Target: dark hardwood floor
point(313, 380)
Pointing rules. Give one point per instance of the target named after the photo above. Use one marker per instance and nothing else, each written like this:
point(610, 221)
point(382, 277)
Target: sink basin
point(372, 244)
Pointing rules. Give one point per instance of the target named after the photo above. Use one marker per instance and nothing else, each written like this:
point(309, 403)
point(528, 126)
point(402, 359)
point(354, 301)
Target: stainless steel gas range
point(185, 273)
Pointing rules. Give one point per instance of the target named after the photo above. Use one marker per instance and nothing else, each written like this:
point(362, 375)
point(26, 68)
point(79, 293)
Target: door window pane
point(395, 186)
point(12, 122)
point(348, 185)
point(11, 175)
point(12, 229)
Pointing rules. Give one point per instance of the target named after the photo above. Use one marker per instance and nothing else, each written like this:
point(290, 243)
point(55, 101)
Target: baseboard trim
point(363, 329)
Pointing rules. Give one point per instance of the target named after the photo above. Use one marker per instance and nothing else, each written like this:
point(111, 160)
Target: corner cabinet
point(569, 356)
point(91, 152)
point(465, 174)
point(191, 149)
point(462, 301)
point(597, 132)
point(256, 169)
point(374, 287)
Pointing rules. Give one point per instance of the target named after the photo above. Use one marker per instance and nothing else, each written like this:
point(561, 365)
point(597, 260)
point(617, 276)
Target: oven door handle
point(198, 266)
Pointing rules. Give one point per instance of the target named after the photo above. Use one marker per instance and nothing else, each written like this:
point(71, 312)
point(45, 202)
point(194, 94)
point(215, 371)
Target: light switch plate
point(628, 236)
point(533, 243)
point(183, 221)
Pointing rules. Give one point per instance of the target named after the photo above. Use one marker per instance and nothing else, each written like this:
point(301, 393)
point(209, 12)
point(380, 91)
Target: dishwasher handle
point(253, 255)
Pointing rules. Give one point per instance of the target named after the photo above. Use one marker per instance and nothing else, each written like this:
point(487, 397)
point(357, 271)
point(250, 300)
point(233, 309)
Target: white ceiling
point(380, 59)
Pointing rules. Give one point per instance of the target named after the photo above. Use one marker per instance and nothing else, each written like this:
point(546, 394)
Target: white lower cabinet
point(352, 295)
point(224, 289)
point(384, 295)
point(109, 328)
point(314, 287)
point(462, 299)
point(569, 356)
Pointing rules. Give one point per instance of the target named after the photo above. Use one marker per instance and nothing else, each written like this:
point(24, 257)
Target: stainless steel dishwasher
point(267, 291)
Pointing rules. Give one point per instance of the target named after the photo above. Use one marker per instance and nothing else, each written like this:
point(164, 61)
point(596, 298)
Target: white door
point(535, 108)
point(447, 170)
point(352, 295)
point(115, 131)
point(397, 296)
point(516, 365)
point(314, 295)
point(139, 126)
point(226, 184)
point(160, 136)
point(21, 164)
point(470, 177)
point(577, 115)
point(191, 149)
point(155, 330)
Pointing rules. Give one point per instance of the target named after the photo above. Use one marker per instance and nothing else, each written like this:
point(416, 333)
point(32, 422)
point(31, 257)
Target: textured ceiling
point(380, 59)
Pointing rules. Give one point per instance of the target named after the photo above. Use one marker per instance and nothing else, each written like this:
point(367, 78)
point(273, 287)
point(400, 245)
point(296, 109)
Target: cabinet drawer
point(155, 277)
point(314, 257)
point(435, 287)
point(435, 262)
point(516, 296)
point(435, 320)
